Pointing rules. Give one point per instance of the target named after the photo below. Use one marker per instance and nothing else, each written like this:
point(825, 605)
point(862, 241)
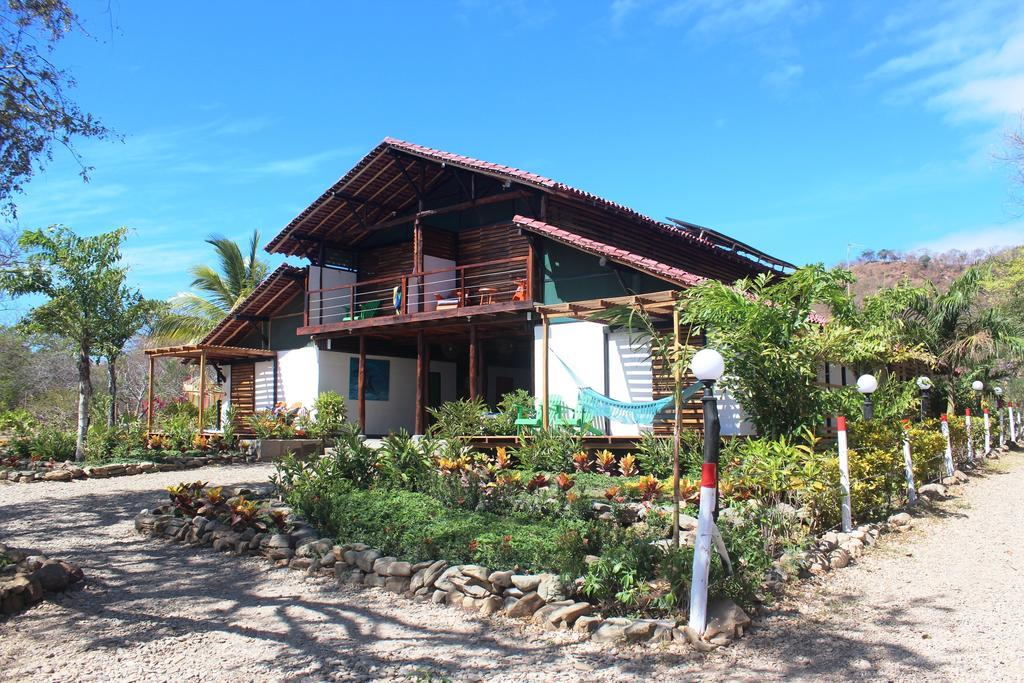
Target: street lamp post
point(707, 366)
point(867, 384)
point(925, 385)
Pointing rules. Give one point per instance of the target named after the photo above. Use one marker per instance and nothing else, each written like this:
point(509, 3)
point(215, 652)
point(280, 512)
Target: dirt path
point(941, 603)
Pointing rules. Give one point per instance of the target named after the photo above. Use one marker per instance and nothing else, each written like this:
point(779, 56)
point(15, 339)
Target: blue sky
point(797, 126)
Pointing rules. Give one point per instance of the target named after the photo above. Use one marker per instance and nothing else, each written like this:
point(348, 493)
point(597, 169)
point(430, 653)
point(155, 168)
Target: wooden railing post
point(529, 272)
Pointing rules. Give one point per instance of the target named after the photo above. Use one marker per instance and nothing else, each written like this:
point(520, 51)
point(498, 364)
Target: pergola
point(199, 354)
point(658, 303)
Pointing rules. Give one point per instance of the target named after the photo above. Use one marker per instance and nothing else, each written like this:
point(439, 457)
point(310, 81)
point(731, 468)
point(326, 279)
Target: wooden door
point(243, 394)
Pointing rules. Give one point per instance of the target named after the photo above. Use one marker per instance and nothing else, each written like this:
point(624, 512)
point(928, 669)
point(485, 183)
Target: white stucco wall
point(399, 411)
point(733, 419)
point(336, 303)
point(580, 347)
point(298, 371)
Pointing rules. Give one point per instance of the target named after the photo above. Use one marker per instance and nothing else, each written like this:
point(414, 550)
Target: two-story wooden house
point(429, 276)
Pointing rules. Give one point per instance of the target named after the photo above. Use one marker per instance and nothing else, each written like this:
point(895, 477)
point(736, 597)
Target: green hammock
point(642, 412)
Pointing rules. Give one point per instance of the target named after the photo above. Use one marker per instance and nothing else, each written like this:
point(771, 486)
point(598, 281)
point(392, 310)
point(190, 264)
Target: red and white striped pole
point(970, 442)
point(908, 464)
point(844, 474)
point(949, 446)
point(988, 431)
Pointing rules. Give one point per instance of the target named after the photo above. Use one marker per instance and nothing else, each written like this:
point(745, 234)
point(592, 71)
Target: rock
point(366, 558)
point(587, 624)
point(526, 582)
point(510, 602)
point(437, 597)
point(901, 519)
point(58, 475)
point(854, 547)
point(375, 580)
point(512, 592)
point(381, 565)
point(397, 584)
point(611, 632)
point(491, 605)
point(300, 563)
point(569, 614)
point(839, 559)
point(280, 553)
point(475, 571)
point(829, 541)
point(937, 491)
point(444, 582)
point(526, 606)
point(725, 617)
point(433, 572)
point(279, 541)
point(470, 587)
point(662, 633)
point(550, 588)
point(640, 631)
point(403, 569)
point(960, 476)
point(355, 577)
point(500, 580)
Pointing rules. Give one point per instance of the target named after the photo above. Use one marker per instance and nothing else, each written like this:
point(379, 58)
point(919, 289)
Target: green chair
point(367, 310)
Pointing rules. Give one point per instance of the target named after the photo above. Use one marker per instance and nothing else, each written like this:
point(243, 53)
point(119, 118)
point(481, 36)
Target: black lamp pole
point(926, 398)
point(869, 407)
point(712, 431)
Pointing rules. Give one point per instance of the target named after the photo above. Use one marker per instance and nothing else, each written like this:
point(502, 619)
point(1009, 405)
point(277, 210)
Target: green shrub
point(465, 417)
point(53, 444)
point(403, 463)
point(656, 454)
point(179, 427)
point(329, 415)
point(504, 423)
point(18, 423)
point(548, 450)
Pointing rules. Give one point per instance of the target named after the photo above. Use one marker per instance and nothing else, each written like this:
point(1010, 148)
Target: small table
point(487, 295)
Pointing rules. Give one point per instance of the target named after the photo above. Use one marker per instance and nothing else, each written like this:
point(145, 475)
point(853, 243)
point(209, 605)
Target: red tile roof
point(622, 256)
point(351, 182)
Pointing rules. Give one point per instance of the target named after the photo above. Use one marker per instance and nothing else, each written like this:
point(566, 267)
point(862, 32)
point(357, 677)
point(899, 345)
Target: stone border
point(540, 598)
point(30, 576)
point(68, 471)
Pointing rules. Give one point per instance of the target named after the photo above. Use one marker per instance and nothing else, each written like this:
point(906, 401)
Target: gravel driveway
point(943, 602)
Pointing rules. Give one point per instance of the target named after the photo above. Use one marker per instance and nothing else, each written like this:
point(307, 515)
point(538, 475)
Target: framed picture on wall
point(378, 377)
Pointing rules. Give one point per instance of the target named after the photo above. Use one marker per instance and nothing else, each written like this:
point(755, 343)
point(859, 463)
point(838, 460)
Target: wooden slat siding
point(663, 384)
point(440, 243)
point(392, 260)
point(243, 393)
point(617, 231)
point(492, 243)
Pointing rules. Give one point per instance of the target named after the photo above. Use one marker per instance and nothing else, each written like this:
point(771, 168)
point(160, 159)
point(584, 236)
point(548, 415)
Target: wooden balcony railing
point(458, 287)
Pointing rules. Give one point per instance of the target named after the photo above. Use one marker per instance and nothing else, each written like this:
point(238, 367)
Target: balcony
point(502, 285)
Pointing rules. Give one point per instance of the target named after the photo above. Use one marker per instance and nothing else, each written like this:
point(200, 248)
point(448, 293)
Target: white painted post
point(970, 443)
point(908, 464)
point(949, 446)
point(702, 549)
point(1013, 426)
point(988, 432)
point(1002, 429)
point(844, 473)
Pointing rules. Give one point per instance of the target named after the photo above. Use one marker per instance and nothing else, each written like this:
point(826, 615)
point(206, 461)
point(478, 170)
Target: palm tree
point(962, 332)
point(189, 316)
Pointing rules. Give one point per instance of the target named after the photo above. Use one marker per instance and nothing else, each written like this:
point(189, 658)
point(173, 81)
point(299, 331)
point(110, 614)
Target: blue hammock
point(642, 412)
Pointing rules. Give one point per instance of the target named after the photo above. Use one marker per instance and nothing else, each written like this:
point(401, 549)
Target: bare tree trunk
point(84, 401)
point(112, 390)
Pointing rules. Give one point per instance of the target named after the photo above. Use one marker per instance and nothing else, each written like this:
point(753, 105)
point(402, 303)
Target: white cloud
point(716, 17)
point(963, 58)
point(783, 78)
point(983, 237)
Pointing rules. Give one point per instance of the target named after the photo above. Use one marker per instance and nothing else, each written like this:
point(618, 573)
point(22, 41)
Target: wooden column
point(420, 379)
point(473, 353)
point(149, 398)
point(417, 260)
point(544, 369)
point(202, 389)
point(362, 383)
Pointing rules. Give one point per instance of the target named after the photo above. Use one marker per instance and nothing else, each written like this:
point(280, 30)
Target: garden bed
point(541, 598)
point(28, 471)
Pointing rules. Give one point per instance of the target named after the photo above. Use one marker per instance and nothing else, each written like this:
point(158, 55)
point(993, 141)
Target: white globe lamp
point(867, 384)
point(707, 365)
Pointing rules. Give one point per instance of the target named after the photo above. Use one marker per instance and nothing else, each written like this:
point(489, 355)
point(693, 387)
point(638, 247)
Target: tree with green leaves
point(35, 110)
point(78, 276)
point(962, 330)
point(189, 316)
point(124, 316)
